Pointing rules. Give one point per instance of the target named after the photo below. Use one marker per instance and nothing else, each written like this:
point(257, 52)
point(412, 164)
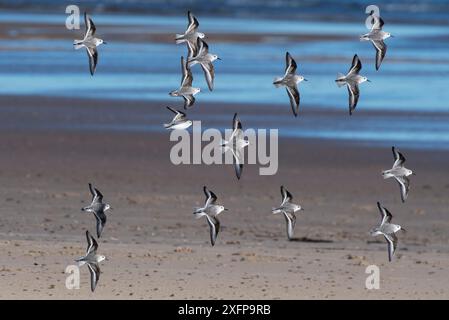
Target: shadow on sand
point(305, 239)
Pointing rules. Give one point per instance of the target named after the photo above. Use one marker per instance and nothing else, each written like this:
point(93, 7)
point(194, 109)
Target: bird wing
point(399, 158)
point(291, 222)
point(90, 26)
point(193, 23)
point(386, 215)
point(356, 65)
point(354, 94)
point(209, 73)
point(381, 50)
point(189, 100)
point(93, 59)
point(92, 244)
point(211, 198)
point(392, 244)
point(293, 95)
point(192, 49)
point(214, 225)
point(286, 195)
point(404, 184)
point(94, 270)
point(101, 221)
point(179, 115)
point(187, 77)
point(238, 161)
point(290, 64)
point(377, 22)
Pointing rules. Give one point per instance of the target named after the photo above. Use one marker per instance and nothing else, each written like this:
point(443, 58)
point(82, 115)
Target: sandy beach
point(157, 250)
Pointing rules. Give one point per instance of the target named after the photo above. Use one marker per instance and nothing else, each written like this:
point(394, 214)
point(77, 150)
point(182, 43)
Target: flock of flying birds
point(198, 54)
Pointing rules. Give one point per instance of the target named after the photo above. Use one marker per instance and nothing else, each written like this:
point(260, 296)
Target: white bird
point(191, 34)
point(210, 210)
point(400, 173)
point(98, 208)
point(288, 209)
point(352, 81)
point(179, 121)
point(90, 42)
point(236, 145)
point(290, 81)
point(205, 59)
point(387, 229)
point(92, 259)
point(186, 91)
point(377, 37)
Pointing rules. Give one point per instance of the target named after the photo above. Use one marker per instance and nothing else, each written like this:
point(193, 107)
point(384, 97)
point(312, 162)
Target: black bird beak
point(305, 79)
point(368, 80)
point(226, 209)
point(104, 42)
point(219, 58)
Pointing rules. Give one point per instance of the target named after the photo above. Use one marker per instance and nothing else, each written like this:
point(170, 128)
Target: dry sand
point(157, 250)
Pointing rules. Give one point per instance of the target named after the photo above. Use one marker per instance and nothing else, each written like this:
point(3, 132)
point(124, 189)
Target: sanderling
point(290, 81)
point(210, 210)
point(236, 144)
point(92, 259)
point(90, 43)
point(400, 173)
point(186, 91)
point(387, 229)
point(98, 208)
point(191, 34)
point(377, 37)
point(179, 121)
point(352, 81)
point(205, 59)
point(288, 209)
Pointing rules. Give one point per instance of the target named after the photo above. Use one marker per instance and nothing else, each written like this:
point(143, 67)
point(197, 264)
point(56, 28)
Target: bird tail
point(78, 44)
point(340, 79)
point(179, 38)
point(277, 82)
point(275, 210)
point(386, 174)
point(166, 125)
point(198, 213)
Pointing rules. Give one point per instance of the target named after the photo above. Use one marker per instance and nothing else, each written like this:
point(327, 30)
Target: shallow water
point(413, 76)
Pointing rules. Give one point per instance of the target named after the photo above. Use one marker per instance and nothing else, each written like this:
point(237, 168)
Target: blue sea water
point(412, 83)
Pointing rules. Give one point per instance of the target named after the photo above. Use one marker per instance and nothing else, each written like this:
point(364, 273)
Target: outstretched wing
point(179, 115)
point(211, 198)
point(381, 50)
point(293, 95)
point(94, 270)
point(354, 94)
point(187, 77)
point(214, 226)
point(193, 23)
point(404, 184)
point(392, 241)
point(92, 244)
point(290, 64)
point(286, 195)
point(90, 26)
point(386, 215)
point(356, 65)
point(290, 220)
point(399, 158)
point(92, 53)
point(209, 73)
point(376, 21)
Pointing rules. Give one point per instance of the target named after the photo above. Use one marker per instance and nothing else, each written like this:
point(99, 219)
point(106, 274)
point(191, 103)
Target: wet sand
point(155, 247)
